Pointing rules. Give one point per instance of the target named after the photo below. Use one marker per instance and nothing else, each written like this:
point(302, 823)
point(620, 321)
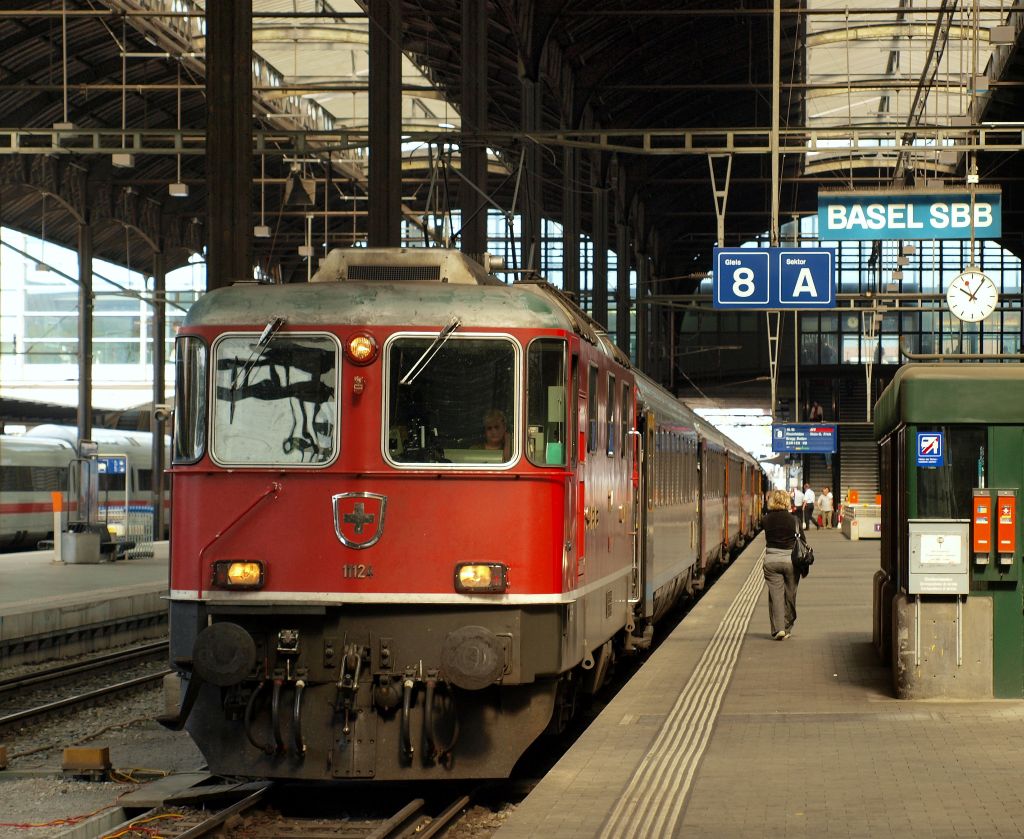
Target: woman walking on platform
point(780, 530)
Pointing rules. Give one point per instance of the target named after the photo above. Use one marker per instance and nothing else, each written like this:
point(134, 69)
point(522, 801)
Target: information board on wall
point(804, 438)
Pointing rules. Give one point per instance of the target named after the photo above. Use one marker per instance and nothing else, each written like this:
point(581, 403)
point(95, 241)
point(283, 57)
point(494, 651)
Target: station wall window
point(945, 491)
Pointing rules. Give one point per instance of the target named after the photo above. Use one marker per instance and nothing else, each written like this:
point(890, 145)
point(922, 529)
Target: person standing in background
point(826, 505)
point(808, 507)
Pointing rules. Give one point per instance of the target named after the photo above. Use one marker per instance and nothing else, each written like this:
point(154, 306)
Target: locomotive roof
point(951, 393)
point(401, 303)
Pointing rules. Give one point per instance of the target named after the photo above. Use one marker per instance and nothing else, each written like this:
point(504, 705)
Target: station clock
point(972, 296)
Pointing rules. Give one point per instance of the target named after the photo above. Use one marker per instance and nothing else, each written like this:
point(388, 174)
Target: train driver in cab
point(496, 434)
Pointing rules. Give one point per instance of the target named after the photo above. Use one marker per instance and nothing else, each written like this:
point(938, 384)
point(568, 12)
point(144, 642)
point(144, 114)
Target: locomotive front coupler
point(348, 681)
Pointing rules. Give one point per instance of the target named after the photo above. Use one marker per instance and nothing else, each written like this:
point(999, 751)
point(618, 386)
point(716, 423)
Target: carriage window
point(592, 410)
point(626, 414)
point(458, 406)
point(276, 399)
point(545, 396)
point(190, 400)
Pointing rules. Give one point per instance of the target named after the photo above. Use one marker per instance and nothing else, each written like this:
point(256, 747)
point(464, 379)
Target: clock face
point(972, 296)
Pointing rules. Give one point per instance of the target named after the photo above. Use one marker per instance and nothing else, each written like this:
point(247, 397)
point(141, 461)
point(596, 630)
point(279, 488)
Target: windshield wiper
point(430, 351)
point(266, 336)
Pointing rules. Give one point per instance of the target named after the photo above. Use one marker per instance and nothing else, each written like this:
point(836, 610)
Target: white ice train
point(35, 465)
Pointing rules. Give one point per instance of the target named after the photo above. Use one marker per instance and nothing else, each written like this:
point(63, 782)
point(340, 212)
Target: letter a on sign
point(805, 283)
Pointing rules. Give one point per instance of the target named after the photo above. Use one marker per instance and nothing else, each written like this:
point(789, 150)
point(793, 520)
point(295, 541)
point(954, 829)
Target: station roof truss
point(868, 94)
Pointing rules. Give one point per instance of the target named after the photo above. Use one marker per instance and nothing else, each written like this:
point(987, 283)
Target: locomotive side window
point(276, 400)
point(545, 402)
point(458, 406)
point(190, 399)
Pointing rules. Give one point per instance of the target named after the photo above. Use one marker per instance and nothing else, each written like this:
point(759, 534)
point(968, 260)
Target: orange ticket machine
point(1006, 525)
point(981, 526)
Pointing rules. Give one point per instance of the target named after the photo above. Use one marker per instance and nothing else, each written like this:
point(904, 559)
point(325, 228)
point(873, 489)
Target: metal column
point(571, 225)
point(229, 141)
point(599, 300)
point(85, 307)
point(384, 226)
point(157, 422)
point(531, 200)
point(474, 121)
point(622, 314)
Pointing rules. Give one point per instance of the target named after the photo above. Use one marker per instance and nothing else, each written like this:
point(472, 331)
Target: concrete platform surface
point(726, 732)
point(32, 576)
point(49, 610)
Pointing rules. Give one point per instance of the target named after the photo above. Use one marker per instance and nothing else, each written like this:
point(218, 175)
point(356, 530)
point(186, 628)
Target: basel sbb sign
point(909, 215)
point(774, 278)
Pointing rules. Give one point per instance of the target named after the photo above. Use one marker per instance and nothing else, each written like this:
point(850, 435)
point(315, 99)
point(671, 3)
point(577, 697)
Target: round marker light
point(361, 348)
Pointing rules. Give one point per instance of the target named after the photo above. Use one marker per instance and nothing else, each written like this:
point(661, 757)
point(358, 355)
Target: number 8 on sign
point(743, 282)
point(741, 277)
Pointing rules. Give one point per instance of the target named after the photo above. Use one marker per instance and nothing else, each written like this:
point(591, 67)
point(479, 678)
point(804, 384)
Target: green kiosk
point(948, 604)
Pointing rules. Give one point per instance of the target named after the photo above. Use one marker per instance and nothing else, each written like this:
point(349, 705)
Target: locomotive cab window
point(451, 402)
point(276, 399)
point(190, 398)
point(545, 395)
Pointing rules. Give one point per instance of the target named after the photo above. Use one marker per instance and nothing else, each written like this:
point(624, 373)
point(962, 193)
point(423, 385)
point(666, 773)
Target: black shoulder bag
point(802, 556)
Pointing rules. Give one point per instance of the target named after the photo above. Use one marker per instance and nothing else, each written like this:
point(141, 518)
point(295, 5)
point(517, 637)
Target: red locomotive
point(418, 512)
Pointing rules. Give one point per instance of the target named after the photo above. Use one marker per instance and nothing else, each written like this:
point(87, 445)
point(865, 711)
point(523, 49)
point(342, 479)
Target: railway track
point(77, 671)
point(247, 816)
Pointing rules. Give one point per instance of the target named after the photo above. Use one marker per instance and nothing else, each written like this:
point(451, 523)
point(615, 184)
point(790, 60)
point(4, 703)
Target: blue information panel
point(909, 215)
point(803, 438)
point(111, 465)
point(931, 448)
point(774, 278)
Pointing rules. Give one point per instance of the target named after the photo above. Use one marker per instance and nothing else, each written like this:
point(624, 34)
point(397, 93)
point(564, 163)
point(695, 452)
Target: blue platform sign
point(111, 465)
point(774, 278)
point(804, 438)
point(909, 215)
point(930, 448)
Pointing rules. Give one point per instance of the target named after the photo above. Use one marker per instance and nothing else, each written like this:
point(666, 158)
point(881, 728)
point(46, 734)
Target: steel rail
point(221, 816)
point(11, 720)
point(62, 671)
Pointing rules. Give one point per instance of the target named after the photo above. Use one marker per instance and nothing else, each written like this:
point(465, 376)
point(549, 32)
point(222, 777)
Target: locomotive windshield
point(460, 408)
point(275, 403)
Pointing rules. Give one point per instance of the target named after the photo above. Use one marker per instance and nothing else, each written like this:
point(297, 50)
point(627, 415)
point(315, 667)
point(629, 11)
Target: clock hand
point(967, 290)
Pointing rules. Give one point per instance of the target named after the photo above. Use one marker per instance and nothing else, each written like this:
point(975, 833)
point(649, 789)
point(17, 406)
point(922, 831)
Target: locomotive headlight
point(238, 573)
point(361, 348)
point(485, 577)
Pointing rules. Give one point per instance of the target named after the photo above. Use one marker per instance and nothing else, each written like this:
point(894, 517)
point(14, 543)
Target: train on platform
point(418, 515)
point(34, 465)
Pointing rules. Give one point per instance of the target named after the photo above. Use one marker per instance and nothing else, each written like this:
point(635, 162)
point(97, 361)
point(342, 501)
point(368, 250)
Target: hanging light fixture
point(298, 192)
point(65, 124)
point(262, 230)
point(179, 189)
point(124, 160)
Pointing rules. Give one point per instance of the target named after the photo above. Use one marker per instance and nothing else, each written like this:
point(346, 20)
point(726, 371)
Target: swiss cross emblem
point(359, 518)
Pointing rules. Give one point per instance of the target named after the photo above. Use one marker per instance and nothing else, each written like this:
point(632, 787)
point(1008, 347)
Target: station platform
point(726, 732)
point(49, 610)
